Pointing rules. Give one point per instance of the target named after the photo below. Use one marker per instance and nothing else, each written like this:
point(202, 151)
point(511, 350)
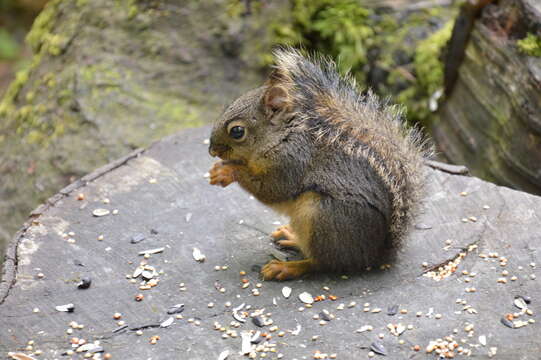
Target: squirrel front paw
point(222, 174)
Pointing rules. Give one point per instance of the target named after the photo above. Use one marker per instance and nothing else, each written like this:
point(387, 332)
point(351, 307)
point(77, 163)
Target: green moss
point(530, 45)
point(338, 28)
point(43, 25)
point(428, 65)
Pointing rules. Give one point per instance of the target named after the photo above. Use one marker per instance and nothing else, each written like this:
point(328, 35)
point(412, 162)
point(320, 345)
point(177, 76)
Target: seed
point(100, 212)
point(403, 311)
point(306, 298)
point(392, 310)
point(242, 273)
point(416, 348)
point(437, 316)
point(84, 283)
point(139, 297)
point(378, 348)
point(107, 356)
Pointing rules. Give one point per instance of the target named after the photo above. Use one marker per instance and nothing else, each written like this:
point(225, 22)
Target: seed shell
point(175, 309)
point(286, 291)
point(392, 310)
point(100, 212)
point(65, 308)
point(378, 348)
point(198, 255)
point(507, 322)
point(167, 322)
point(84, 283)
point(306, 298)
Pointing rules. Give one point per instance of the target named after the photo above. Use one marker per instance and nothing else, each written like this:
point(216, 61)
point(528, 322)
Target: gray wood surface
point(164, 189)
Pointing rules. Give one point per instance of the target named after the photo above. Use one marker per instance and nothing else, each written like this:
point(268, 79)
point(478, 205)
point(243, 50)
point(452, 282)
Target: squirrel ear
point(276, 99)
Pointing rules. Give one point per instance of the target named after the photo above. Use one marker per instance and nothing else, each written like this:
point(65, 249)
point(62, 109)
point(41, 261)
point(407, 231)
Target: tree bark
point(492, 119)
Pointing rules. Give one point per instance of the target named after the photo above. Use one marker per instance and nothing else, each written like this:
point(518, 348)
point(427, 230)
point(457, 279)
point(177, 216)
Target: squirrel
point(343, 166)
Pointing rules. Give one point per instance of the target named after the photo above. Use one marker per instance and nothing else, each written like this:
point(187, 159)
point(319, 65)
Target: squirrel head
point(253, 124)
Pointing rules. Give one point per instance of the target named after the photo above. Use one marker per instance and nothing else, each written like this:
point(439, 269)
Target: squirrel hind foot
point(286, 270)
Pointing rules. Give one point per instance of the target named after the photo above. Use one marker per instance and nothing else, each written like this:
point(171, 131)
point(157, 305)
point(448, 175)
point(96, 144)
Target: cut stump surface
point(162, 200)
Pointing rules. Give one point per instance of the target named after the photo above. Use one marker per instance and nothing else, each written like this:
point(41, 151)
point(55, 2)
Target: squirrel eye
point(237, 132)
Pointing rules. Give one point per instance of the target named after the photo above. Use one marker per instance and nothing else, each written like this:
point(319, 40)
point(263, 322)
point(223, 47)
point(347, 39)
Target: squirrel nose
point(217, 149)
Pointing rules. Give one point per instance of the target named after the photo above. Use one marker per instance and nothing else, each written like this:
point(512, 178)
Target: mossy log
point(491, 121)
point(109, 76)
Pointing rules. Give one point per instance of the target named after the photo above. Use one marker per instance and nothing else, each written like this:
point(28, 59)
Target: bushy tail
point(337, 114)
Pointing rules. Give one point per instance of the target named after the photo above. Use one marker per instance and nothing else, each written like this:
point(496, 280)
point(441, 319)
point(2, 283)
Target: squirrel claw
point(222, 174)
point(286, 270)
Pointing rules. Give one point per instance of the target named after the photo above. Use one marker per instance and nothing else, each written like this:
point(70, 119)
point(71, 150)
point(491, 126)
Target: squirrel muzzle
point(217, 149)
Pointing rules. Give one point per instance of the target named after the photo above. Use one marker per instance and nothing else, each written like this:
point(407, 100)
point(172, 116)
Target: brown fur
point(341, 165)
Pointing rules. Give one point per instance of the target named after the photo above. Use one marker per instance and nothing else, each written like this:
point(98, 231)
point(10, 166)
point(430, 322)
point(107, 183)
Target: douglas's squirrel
point(340, 164)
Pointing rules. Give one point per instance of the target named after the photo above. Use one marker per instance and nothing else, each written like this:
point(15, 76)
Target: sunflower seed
point(378, 348)
point(147, 275)
point(198, 255)
point(392, 310)
point(246, 346)
point(325, 315)
point(223, 355)
point(151, 251)
point(256, 338)
point(65, 308)
point(90, 347)
point(167, 322)
point(137, 238)
point(422, 226)
point(100, 212)
point(258, 321)
point(520, 303)
point(306, 298)
point(286, 291)
point(483, 340)
point(84, 283)
point(507, 322)
point(175, 309)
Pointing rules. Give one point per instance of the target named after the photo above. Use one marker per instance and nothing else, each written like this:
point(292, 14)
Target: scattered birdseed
point(139, 297)
point(376, 310)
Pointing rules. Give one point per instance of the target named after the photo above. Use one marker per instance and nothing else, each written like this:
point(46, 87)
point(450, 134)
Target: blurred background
point(84, 82)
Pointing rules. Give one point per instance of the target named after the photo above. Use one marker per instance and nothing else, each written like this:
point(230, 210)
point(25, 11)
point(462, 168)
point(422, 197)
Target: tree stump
point(472, 251)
